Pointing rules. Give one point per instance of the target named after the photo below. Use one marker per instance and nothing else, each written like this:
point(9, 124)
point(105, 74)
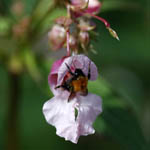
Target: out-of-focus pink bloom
point(57, 36)
point(61, 113)
point(92, 6)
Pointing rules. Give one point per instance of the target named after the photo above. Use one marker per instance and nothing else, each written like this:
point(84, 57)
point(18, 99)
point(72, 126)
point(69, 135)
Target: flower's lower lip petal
point(59, 113)
point(89, 108)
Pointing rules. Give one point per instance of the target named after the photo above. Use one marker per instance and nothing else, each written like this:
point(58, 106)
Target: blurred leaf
point(124, 127)
point(100, 125)
point(100, 86)
point(42, 8)
point(127, 85)
point(30, 5)
point(110, 5)
point(57, 12)
point(8, 46)
point(5, 6)
point(4, 26)
point(104, 90)
point(31, 64)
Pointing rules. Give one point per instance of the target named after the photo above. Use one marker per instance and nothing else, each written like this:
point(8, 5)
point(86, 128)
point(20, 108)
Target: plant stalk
point(12, 139)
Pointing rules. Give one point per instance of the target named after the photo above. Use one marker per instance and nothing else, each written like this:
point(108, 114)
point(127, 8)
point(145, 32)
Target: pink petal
point(52, 78)
point(89, 108)
point(61, 114)
point(93, 6)
point(77, 61)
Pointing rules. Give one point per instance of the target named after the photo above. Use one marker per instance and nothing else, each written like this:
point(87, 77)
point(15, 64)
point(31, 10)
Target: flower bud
point(72, 42)
point(57, 36)
point(84, 37)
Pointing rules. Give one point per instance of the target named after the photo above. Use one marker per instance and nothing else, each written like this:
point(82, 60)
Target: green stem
point(12, 141)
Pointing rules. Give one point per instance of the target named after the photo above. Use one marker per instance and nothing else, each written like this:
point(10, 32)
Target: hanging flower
point(75, 117)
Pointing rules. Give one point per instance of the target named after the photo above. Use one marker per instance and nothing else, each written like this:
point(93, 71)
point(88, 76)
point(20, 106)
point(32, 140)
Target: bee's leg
point(71, 96)
point(69, 70)
point(59, 86)
point(89, 72)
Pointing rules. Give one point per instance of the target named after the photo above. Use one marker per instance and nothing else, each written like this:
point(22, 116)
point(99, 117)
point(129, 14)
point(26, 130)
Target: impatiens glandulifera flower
point(77, 24)
point(61, 113)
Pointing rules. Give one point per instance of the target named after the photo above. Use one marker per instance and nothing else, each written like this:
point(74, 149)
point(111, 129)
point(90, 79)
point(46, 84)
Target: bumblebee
point(76, 82)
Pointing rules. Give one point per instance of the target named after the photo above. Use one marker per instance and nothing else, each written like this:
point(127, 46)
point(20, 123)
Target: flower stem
point(101, 19)
point(12, 140)
point(68, 46)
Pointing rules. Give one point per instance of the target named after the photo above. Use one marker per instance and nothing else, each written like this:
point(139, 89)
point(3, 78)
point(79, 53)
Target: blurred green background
point(124, 84)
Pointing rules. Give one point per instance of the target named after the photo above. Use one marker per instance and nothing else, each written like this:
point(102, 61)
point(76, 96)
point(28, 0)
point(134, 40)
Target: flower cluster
point(73, 31)
point(73, 109)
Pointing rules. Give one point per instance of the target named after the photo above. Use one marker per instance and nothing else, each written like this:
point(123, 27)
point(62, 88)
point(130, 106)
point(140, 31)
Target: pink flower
point(93, 6)
point(61, 113)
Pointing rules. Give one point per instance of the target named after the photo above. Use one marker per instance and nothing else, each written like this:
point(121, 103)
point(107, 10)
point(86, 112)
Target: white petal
point(61, 114)
point(89, 108)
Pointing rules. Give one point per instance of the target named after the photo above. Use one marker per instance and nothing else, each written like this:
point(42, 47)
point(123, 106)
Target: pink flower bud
point(57, 36)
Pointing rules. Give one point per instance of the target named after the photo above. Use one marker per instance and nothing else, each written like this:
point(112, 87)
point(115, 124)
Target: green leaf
point(124, 127)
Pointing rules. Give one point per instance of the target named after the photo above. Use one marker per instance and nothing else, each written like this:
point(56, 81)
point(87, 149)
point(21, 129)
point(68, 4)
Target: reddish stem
point(101, 19)
point(68, 47)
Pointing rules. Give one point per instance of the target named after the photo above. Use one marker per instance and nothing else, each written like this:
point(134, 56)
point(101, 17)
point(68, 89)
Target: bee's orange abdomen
point(80, 85)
